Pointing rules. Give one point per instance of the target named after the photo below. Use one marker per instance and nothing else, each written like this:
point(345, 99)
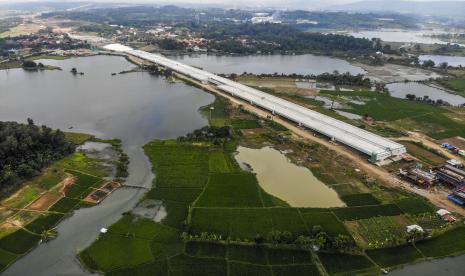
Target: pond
point(400, 90)
point(438, 59)
point(268, 64)
point(407, 36)
point(134, 107)
point(294, 184)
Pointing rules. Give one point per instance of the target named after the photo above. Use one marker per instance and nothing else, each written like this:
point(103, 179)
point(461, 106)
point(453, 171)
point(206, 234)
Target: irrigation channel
point(135, 108)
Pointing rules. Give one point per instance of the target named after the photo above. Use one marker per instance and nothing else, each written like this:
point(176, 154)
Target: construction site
point(376, 147)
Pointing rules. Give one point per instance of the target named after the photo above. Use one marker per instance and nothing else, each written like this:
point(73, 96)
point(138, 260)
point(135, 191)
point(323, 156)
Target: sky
point(233, 3)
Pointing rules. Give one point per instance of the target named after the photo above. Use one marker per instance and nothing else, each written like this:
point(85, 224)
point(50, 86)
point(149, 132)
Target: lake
point(268, 64)
point(401, 89)
point(134, 107)
point(438, 59)
point(294, 184)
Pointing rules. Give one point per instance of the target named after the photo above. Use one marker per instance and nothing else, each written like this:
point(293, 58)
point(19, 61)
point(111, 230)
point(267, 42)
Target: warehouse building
point(451, 175)
point(376, 147)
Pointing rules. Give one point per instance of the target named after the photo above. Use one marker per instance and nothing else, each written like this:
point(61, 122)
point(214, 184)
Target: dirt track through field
point(438, 198)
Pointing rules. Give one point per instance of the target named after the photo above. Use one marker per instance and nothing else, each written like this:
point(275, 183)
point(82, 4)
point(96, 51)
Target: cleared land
point(51, 196)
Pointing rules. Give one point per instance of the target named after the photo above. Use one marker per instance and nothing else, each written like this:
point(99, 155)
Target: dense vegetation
point(25, 149)
point(278, 37)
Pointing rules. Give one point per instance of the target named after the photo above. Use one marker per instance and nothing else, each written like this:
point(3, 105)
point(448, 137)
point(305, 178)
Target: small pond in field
point(400, 90)
point(294, 184)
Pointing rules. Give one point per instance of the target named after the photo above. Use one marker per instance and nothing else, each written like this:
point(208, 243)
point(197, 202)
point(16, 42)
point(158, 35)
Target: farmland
point(220, 221)
point(30, 215)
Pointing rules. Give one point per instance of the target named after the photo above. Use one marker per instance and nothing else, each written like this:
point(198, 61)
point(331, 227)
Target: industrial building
point(451, 175)
point(419, 176)
point(375, 146)
point(458, 196)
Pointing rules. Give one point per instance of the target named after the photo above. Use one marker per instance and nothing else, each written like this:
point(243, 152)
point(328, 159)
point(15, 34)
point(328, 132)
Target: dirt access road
point(438, 198)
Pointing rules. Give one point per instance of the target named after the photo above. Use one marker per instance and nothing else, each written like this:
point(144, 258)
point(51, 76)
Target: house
point(414, 227)
point(455, 163)
point(445, 215)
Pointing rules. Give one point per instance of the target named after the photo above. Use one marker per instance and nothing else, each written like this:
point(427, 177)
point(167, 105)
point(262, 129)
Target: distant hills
point(433, 8)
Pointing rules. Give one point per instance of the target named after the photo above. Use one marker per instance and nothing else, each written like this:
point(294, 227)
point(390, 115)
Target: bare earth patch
point(44, 202)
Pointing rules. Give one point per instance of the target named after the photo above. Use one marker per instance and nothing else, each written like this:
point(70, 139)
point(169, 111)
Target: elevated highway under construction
point(376, 147)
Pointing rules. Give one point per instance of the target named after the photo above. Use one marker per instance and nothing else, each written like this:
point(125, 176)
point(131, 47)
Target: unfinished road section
point(377, 147)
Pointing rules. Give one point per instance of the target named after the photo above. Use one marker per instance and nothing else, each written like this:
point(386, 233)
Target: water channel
point(135, 107)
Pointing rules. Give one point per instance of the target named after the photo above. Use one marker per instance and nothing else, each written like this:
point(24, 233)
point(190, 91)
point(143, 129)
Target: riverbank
point(29, 216)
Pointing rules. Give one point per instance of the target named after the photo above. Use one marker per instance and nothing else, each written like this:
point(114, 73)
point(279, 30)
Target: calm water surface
point(407, 36)
point(283, 179)
point(269, 64)
point(438, 59)
point(400, 90)
point(135, 107)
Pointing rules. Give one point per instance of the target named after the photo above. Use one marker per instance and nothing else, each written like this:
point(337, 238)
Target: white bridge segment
point(379, 148)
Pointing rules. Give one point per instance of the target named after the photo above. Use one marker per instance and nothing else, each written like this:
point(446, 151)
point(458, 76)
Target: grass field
point(457, 85)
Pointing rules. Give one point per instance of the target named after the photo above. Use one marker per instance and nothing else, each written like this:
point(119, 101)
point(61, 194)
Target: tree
point(321, 240)
point(29, 64)
point(428, 63)
point(277, 237)
point(342, 242)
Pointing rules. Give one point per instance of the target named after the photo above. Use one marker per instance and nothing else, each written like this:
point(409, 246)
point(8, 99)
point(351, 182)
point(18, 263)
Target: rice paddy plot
point(245, 253)
point(113, 251)
point(176, 213)
point(290, 220)
point(415, 206)
point(44, 222)
point(449, 243)
point(394, 256)
point(360, 200)
point(241, 269)
point(183, 195)
point(364, 212)
point(65, 205)
point(336, 263)
point(204, 249)
point(186, 265)
point(231, 190)
point(219, 163)
point(19, 242)
point(327, 220)
point(6, 258)
point(278, 256)
point(157, 268)
point(295, 270)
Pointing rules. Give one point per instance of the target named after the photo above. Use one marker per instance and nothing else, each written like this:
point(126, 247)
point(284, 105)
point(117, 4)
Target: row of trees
point(335, 77)
point(25, 149)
